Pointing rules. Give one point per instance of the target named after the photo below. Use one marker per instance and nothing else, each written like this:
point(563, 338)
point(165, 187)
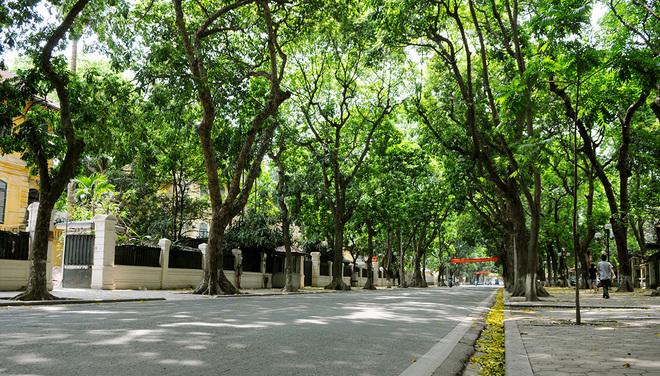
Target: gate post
point(202, 247)
point(316, 268)
point(238, 266)
point(374, 272)
point(164, 245)
point(33, 208)
point(105, 238)
point(302, 270)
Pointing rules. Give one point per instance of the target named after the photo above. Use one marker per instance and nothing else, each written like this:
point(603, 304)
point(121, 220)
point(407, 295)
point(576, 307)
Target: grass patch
point(490, 345)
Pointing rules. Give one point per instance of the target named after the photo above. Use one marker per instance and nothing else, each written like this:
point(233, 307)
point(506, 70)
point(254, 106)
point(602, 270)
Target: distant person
point(606, 274)
point(592, 277)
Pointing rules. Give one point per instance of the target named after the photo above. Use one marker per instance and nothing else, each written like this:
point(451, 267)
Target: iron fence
point(325, 269)
point(14, 246)
point(182, 259)
point(137, 255)
point(348, 271)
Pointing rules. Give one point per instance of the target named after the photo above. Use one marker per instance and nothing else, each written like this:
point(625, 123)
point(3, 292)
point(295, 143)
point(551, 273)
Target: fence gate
point(78, 260)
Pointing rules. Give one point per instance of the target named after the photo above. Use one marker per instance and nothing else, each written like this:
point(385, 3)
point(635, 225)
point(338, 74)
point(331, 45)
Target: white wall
point(136, 277)
point(142, 277)
point(324, 280)
point(182, 278)
point(14, 274)
point(250, 280)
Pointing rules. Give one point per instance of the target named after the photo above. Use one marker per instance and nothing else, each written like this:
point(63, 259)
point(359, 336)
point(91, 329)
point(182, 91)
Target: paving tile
point(619, 339)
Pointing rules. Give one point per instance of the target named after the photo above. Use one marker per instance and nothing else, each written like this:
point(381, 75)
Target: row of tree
point(408, 130)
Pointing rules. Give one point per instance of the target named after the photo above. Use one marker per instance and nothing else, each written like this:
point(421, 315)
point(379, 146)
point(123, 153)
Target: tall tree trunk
point(552, 263)
point(37, 288)
point(337, 282)
point(520, 243)
point(618, 210)
point(402, 259)
point(590, 234)
point(389, 273)
point(369, 285)
point(253, 146)
point(71, 187)
point(418, 245)
point(284, 218)
point(52, 184)
point(288, 258)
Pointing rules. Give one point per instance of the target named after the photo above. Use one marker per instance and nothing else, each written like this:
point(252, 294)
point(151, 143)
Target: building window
point(203, 231)
point(3, 200)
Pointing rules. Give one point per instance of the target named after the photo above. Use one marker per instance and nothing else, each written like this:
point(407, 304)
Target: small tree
point(88, 106)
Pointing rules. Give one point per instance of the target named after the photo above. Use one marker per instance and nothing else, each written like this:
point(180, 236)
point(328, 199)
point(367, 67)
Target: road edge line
point(19, 303)
point(439, 355)
point(516, 359)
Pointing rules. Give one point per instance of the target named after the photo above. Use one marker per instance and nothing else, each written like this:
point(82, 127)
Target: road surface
point(358, 333)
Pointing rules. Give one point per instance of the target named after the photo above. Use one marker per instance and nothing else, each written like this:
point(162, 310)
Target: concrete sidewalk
point(619, 336)
point(82, 296)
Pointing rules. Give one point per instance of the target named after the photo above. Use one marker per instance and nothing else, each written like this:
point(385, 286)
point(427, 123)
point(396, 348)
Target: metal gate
point(308, 272)
point(78, 260)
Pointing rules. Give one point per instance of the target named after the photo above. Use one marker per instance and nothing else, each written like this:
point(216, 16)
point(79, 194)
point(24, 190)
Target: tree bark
point(52, 186)
point(241, 184)
point(337, 282)
point(402, 259)
point(284, 215)
point(369, 285)
point(619, 210)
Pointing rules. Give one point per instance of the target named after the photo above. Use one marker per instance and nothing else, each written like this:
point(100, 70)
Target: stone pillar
point(374, 272)
point(33, 209)
point(202, 247)
point(104, 252)
point(264, 277)
point(316, 268)
point(164, 245)
point(238, 265)
point(352, 277)
point(301, 260)
point(330, 270)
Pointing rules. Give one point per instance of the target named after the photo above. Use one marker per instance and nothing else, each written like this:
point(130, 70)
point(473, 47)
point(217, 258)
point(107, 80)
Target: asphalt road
point(357, 333)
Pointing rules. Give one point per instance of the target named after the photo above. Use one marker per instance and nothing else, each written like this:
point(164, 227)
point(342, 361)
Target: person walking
point(592, 277)
point(606, 274)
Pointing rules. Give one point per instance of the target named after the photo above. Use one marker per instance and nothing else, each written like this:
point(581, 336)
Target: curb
point(19, 303)
point(457, 360)
point(516, 360)
point(440, 360)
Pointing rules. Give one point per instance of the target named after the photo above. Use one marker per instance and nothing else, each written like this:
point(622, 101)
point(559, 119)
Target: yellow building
point(18, 188)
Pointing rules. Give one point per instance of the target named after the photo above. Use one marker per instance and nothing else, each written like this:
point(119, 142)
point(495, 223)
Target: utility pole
point(576, 240)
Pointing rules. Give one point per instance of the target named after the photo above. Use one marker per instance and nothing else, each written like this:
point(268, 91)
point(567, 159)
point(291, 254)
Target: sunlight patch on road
point(29, 358)
point(182, 362)
point(318, 321)
point(213, 325)
point(137, 335)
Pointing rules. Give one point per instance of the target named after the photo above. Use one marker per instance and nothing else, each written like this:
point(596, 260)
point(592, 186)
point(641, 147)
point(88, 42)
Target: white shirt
point(604, 268)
